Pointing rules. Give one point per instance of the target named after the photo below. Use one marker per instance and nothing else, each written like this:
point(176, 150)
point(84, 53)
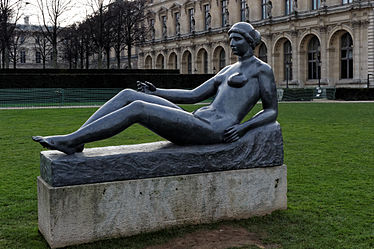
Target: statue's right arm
point(181, 96)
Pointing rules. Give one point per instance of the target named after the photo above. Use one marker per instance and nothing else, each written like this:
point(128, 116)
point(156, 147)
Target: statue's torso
point(238, 91)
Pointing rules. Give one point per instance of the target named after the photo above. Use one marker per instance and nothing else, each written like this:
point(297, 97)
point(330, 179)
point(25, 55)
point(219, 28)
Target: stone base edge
point(79, 214)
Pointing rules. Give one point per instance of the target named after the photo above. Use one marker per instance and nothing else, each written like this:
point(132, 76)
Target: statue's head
point(251, 35)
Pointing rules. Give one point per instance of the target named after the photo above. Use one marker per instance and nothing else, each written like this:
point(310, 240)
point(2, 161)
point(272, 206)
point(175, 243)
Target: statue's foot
point(53, 143)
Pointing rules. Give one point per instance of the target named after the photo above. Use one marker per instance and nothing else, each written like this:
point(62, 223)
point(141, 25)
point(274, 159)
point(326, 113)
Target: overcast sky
point(78, 12)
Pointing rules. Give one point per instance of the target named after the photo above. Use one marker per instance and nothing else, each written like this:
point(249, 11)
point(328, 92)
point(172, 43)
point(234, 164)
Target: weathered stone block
point(84, 213)
point(260, 147)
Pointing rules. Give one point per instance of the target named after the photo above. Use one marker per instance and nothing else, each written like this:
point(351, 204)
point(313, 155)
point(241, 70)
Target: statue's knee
point(127, 92)
point(138, 104)
point(127, 95)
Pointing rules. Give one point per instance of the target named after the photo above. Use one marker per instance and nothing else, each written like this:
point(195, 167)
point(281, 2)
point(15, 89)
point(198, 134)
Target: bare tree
point(53, 13)
point(85, 44)
point(20, 35)
point(70, 45)
point(9, 16)
point(42, 46)
point(133, 29)
point(118, 37)
point(99, 23)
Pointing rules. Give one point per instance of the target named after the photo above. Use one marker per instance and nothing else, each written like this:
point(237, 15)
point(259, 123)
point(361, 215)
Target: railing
point(368, 81)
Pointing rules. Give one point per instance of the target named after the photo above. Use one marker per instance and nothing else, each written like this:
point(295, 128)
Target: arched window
point(346, 56)
point(263, 53)
point(222, 59)
point(160, 62)
point(287, 62)
point(314, 59)
point(148, 62)
point(189, 63)
point(173, 61)
point(205, 61)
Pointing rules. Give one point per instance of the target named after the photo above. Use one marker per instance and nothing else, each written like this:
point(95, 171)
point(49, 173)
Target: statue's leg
point(173, 124)
point(124, 98)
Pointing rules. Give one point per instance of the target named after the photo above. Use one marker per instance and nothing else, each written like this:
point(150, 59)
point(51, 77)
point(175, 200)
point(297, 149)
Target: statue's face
point(239, 44)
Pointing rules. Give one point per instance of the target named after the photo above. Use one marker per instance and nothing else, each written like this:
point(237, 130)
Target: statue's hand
point(146, 87)
point(233, 134)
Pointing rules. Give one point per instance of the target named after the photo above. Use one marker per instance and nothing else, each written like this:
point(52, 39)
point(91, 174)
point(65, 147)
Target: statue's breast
point(237, 80)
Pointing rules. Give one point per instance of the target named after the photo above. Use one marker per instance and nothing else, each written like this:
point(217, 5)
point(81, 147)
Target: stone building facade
point(307, 42)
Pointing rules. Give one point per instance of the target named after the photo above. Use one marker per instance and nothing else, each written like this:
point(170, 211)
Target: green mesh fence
point(39, 97)
point(44, 97)
point(305, 94)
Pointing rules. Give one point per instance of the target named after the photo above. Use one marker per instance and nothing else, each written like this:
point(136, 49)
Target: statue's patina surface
point(237, 88)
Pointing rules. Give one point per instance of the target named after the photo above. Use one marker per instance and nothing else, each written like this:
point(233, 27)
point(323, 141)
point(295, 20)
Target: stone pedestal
point(77, 214)
point(125, 190)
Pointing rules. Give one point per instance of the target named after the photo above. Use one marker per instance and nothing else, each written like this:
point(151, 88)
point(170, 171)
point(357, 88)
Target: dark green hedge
point(354, 93)
point(36, 78)
point(298, 94)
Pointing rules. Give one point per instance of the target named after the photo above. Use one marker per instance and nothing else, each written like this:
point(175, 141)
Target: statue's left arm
point(268, 95)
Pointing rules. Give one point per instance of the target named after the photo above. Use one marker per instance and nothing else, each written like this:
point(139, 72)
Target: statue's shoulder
point(263, 67)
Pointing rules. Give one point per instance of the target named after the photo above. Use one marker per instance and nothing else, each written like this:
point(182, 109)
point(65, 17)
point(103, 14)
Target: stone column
point(356, 49)
point(324, 55)
point(295, 58)
point(370, 42)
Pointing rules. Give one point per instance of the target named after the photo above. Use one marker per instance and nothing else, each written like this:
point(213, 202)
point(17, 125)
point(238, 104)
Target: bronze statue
point(237, 88)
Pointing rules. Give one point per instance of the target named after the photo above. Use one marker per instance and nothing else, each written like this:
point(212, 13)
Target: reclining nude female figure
point(236, 88)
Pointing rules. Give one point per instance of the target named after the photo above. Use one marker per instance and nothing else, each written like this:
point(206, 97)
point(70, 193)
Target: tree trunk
point(129, 55)
point(118, 56)
point(108, 58)
point(14, 57)
point(54, 55)
point(100, 59)
point(87, 60)
point(6, 53)
point(81, 60)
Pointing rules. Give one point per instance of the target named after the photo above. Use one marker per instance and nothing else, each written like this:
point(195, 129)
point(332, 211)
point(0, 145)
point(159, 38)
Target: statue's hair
point(252, 36)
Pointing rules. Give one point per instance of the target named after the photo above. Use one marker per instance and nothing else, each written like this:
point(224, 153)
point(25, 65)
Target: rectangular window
point(192, 19)
point(164, 29)
point(288, 7)
point(38, 58)
point(23, 56)
point(223, 12)
point(176, 22)
point(242, 10)
point(347, 1)
point(316, 4)
point(206, 16)
point(264, 9)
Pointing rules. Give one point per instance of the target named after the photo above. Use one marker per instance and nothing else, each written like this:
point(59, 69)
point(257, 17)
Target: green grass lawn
point(328, 150)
